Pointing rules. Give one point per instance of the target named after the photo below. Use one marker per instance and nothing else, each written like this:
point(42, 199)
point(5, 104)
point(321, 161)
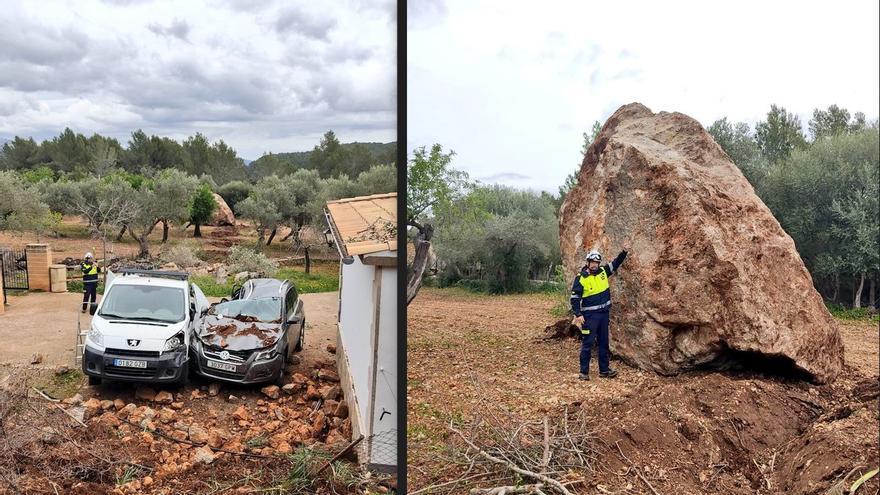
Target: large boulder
point(711, 279)
point(223, 215)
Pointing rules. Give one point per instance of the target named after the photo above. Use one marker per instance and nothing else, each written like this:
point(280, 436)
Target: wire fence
point(379, 449)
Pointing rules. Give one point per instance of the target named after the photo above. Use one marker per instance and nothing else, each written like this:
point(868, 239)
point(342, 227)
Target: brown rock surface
point(223, 215)
point(711, 279)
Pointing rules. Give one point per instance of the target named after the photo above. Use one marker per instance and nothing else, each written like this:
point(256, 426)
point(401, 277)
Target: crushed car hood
point(238, 334)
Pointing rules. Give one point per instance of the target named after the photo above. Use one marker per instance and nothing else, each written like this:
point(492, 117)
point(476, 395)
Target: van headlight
point(266, 355)
point(174, 343)
point(96, 336)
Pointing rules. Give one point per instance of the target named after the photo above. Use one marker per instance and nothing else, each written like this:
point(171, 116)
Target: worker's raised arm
point(577, 290)
point(615, 263)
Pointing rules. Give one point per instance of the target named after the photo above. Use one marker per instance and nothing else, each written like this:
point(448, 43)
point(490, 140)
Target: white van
point(142, 328)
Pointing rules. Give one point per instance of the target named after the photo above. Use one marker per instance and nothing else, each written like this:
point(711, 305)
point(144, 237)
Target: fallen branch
point(55, 403)
point(513, 467)
point(336, 457)
point(508, 490)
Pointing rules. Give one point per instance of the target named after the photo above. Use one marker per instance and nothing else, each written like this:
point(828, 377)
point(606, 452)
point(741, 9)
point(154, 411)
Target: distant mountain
point(246, 162)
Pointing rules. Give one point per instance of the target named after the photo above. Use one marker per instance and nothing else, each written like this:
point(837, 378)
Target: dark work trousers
point(597, 323)
point(90, 291)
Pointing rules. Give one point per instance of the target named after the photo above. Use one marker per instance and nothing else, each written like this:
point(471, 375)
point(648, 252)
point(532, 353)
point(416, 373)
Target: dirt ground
point(46, 323)
point(473, 359)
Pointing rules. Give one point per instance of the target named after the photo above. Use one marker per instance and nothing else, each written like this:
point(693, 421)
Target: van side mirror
point(93, 307)
point(223, 299)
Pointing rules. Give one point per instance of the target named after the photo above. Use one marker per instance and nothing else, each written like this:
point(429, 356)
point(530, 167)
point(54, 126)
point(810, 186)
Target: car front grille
point(234, 356)
point(132, 352)
point(134, 372)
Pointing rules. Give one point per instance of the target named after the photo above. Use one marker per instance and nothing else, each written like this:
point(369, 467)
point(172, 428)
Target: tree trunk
point(836, 287)
point(164, 231)
point(289, 235)
point(420, 261)
point(872, 293)
point(857, 300)
point(121, 233)
point(309, 262)
point(272, 236)
point(261, 236)
point(198, 231)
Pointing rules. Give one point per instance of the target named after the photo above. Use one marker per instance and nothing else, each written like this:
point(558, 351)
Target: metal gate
point(13, 263)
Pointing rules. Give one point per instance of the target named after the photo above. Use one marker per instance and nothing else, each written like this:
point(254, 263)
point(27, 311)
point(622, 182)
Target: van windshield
point(266, 309)
point(144, 302)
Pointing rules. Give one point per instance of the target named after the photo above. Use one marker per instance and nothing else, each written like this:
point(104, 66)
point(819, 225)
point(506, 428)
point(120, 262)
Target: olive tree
point(432, 184)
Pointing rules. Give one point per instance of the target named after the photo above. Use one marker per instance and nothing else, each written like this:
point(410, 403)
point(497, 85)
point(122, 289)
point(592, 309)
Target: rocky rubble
point(712, 279)
point(307, 411)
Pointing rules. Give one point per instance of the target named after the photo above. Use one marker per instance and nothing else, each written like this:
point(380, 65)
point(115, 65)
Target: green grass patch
point(210, 287)
point(60, 386)
point(319, 280)
point(861, 314)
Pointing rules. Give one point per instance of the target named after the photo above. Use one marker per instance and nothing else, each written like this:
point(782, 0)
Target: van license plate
point(129, 363)
point(222, 366)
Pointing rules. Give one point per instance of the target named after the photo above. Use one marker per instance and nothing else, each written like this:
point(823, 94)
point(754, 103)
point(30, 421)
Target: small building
point(364, 230)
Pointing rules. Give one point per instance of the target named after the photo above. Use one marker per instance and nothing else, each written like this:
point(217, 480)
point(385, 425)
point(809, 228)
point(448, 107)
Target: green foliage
point(210, 287)
point(20, 206)
point(353, 159)
point(431, 182)
point(498, 235)
point(43, 173)
point(843, 313)
point(779, 135)
point(835, 121)
point(235, 191)
point(378, 179)
point(202, 206)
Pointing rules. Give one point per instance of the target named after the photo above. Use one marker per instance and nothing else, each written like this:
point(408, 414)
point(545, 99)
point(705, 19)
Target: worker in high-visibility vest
point(591, 304)
point(90, 272)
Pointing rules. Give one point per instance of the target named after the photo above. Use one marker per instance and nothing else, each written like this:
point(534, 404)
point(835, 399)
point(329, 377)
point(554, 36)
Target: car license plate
point(222, 366)
point(128, 363)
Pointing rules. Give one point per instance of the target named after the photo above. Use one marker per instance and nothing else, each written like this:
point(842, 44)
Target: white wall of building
point(386, 372)
point(355, 314)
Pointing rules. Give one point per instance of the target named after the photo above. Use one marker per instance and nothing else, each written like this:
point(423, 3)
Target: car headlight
point(96, 336)
point(266, 355)
point(173, 343)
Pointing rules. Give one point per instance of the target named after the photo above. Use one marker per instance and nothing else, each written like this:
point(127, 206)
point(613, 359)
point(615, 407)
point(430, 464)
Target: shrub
point(182, 255)
point(242, 259)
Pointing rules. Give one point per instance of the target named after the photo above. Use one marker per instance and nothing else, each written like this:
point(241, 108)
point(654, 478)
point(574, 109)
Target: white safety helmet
point(89, 255)
point(594, 256)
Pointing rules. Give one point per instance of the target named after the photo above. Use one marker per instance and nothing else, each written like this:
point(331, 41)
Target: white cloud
point(511, 90)
point(270, 78)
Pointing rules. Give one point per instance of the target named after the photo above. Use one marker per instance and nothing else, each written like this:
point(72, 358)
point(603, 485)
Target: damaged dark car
point(250, 338)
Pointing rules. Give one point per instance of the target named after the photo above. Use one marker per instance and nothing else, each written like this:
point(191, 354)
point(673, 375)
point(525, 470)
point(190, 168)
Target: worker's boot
point(584, 376)
point(608, 374)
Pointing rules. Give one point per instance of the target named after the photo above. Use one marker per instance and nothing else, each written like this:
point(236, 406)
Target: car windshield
point(144, 302)
point(266, 309)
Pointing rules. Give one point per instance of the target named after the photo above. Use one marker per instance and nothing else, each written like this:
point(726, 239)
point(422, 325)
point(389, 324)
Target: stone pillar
point(39, 258)
point(58, 278)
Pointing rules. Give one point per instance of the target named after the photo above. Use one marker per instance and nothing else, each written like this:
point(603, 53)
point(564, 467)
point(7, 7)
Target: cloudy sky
point(512, 90)
point(263, 76)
